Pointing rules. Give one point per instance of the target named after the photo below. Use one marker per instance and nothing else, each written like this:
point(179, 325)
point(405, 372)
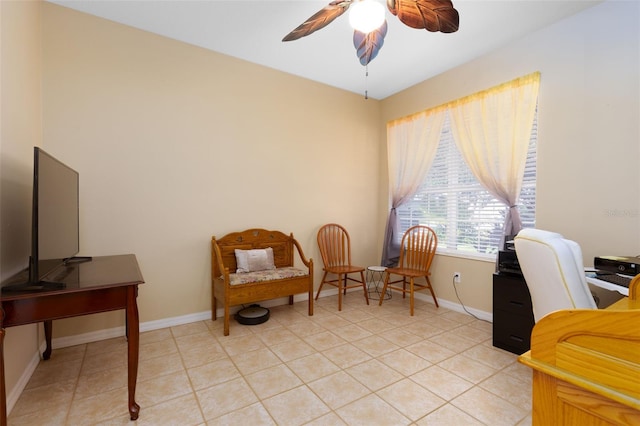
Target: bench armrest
point(224, 271)
point(307, 262)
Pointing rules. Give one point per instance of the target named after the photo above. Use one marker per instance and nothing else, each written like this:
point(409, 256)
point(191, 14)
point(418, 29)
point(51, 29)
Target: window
point(466, 218)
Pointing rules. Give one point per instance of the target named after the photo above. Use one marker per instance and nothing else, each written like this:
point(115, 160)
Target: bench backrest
point(281, 244)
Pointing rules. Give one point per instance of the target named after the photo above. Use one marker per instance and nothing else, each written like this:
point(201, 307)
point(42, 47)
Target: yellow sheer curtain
point(492, 131)
point(411, 146)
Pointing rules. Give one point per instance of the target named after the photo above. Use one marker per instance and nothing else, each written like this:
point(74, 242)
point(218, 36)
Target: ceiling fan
point(432, 15)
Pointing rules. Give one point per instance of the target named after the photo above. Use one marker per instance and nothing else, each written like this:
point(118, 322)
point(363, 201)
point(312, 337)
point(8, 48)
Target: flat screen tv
point(55, 229)
point(55, 238)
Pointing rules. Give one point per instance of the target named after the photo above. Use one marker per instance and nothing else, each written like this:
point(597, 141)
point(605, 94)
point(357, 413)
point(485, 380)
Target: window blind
point(466, 218)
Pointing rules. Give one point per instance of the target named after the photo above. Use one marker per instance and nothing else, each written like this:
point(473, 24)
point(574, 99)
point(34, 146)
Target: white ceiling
point(253, 30)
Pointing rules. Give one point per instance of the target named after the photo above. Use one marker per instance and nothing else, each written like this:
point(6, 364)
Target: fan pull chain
point(366, 81)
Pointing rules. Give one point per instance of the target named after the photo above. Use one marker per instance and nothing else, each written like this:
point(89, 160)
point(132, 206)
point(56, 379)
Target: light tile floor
point(365, 365)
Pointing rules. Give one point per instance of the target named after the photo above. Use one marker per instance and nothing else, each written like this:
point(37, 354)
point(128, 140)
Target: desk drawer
point(510, 293)
point(512, 313)
point(512, 332)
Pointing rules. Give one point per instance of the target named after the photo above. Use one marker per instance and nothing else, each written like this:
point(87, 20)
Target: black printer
point(508, 262)
point(627, 265)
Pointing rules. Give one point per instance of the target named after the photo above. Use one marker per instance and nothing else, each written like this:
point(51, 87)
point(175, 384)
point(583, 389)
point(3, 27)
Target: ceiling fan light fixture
point(366, 15)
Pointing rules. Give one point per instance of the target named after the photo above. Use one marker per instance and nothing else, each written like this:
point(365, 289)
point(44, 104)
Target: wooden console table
point(103, 284)
point(586, 365)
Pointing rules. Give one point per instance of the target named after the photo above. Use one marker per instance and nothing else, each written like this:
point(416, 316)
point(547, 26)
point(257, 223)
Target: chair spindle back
point(335, 245)
point(418, 248)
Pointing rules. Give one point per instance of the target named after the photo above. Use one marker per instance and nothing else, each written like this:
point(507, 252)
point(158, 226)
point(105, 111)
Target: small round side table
point(375, 282)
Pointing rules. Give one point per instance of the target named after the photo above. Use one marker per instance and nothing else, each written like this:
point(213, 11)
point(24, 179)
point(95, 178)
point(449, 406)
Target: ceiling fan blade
point(368, 45)
point(432, 15)
point(319, 20)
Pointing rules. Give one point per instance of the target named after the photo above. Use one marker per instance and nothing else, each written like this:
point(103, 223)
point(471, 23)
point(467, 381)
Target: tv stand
point(77, 259)
point(108, 283)
point(34, 287)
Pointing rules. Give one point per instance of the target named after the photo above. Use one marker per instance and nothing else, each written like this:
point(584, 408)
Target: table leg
point(48, 331)
point(3, 394)
point(133, 342)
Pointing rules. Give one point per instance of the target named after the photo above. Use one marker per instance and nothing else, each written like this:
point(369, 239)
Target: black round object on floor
point(252, 315)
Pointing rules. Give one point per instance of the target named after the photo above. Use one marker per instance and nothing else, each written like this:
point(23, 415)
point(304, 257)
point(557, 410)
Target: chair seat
point(268, 275)
point(415, 273)
point(344, 269)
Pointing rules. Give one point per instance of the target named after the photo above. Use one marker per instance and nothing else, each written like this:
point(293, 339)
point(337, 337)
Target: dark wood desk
point(104, 284)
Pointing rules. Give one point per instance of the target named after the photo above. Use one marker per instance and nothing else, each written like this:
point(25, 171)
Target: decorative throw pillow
point(254, 260)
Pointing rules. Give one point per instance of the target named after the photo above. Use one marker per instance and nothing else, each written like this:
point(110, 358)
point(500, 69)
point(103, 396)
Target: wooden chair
point(335, 248)
point(416, 254)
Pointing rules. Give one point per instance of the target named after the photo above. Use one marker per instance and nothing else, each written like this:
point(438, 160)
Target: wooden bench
point(233, 288)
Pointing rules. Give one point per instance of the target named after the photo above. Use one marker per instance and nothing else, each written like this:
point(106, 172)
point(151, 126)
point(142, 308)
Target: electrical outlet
point(457, 277)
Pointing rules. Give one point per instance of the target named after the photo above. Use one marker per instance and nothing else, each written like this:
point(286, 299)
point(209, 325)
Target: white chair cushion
point(553, 269)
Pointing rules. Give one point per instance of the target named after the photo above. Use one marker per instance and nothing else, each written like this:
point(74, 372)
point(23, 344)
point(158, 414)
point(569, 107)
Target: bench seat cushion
point(268, 275)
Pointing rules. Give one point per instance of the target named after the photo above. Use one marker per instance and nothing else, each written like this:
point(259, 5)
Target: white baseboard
point(95, 336)
point(426, 297)
point(482, 315)
point(79, 339)
point(16, 391)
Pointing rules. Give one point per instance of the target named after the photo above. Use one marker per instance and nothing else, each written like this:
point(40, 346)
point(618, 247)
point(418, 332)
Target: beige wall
point(588, 133)
point(20, 129)
point(175, 144)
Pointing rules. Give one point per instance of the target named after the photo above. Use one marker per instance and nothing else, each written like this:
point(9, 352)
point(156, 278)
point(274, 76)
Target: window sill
point(489, 258)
